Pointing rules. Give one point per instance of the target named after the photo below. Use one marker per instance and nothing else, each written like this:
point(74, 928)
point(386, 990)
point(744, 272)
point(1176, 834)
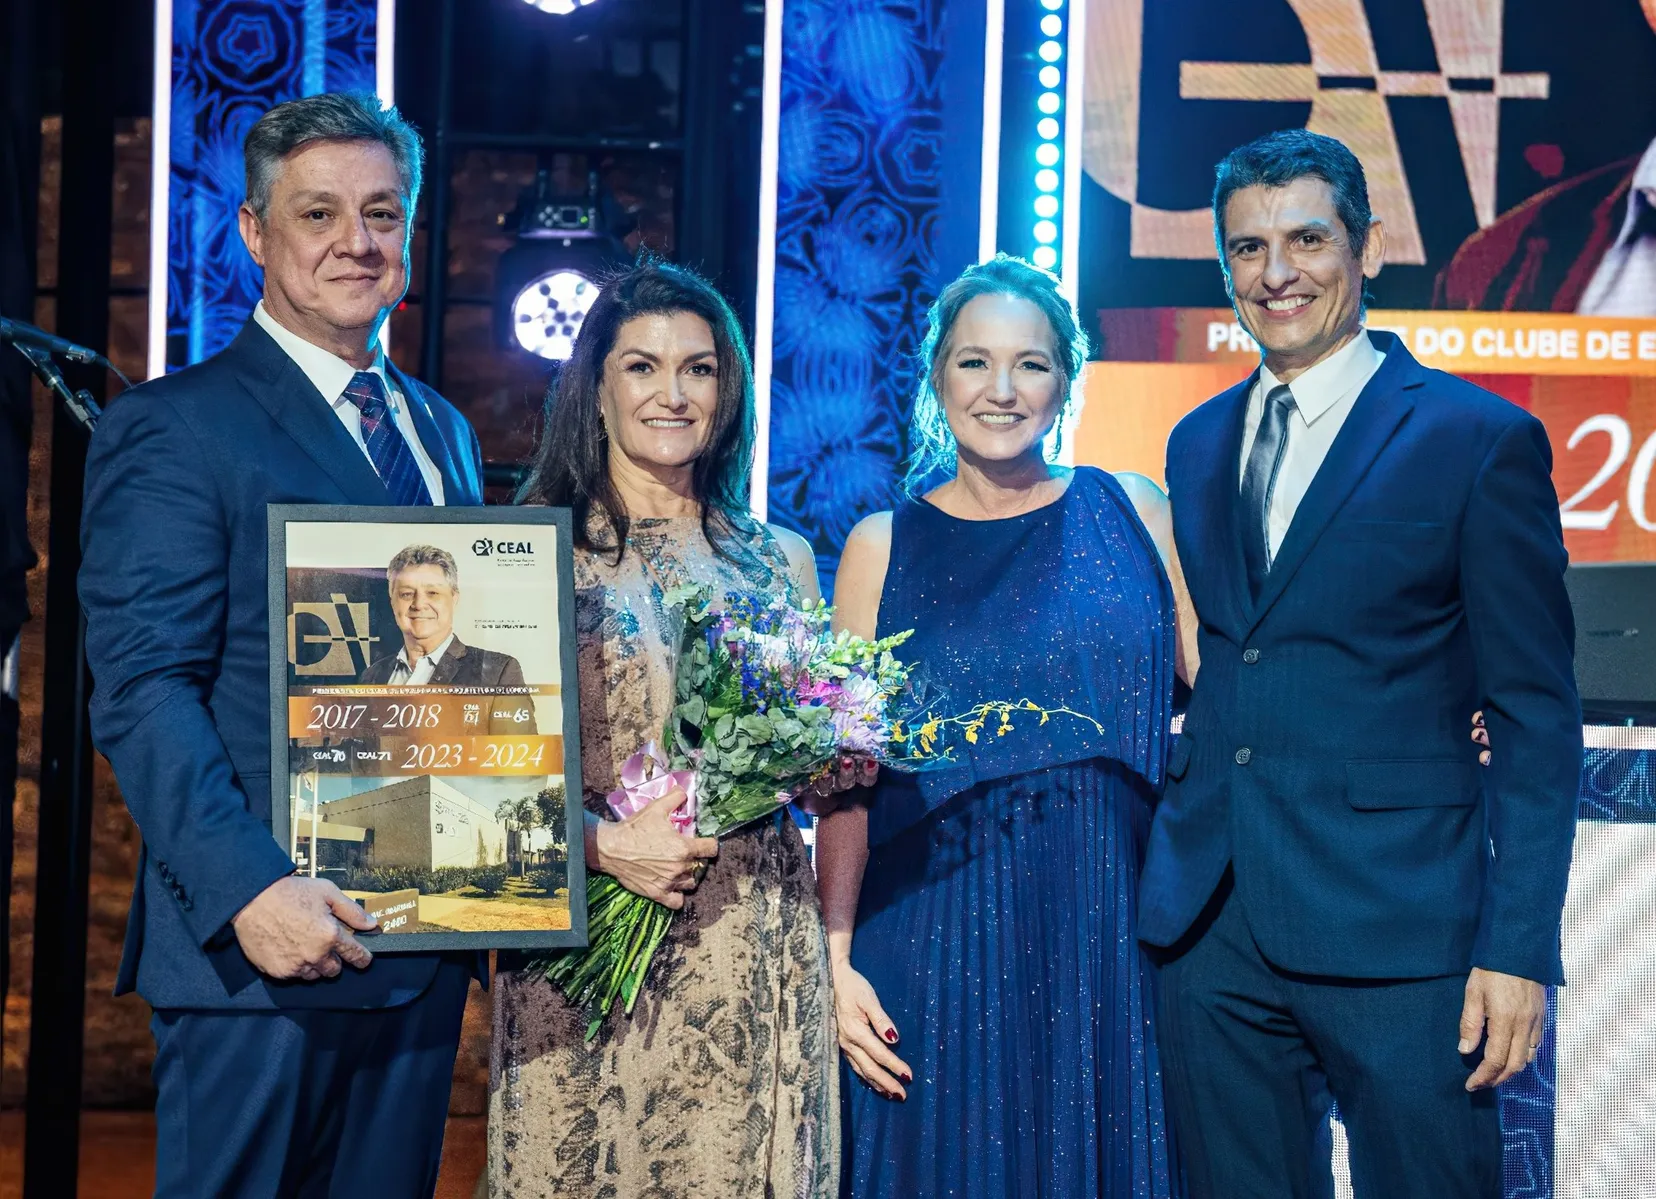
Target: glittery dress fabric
point(724, 1080)
point(996, 919)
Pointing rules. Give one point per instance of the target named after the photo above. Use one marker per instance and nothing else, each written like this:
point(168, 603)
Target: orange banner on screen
point(1602, 428)
point(1511, 343)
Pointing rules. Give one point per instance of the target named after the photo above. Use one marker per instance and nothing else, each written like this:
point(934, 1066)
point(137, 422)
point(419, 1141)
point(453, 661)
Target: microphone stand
point(57, 1004)
point(79, 404)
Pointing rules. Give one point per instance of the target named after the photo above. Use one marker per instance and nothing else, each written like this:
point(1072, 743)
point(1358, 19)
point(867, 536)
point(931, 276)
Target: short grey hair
point(423, 555)
point(329, 117)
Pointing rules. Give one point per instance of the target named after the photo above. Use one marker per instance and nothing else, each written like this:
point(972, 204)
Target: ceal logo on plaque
point(483, 548)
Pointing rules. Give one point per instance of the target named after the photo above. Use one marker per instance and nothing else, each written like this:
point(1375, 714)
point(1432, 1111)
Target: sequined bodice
point(1067, 606)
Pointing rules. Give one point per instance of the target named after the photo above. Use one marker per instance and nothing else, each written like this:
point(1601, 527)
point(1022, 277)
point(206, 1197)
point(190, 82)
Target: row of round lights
point(1049, 128)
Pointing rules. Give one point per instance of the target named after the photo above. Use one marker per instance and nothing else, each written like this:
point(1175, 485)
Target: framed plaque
point(423, 719)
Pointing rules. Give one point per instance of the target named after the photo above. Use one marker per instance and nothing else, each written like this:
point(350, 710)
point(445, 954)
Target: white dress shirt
point(420, 674)
point(331, 375)
point(1625, 282)
point(1323, 397)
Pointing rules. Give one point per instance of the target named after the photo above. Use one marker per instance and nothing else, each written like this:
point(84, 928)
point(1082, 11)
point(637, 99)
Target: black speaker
point(1615, 648)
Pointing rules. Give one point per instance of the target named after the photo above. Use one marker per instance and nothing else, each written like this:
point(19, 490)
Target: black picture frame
point(515, 527)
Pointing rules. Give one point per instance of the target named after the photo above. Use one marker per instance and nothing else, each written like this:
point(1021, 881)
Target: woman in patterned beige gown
point(723, 1082)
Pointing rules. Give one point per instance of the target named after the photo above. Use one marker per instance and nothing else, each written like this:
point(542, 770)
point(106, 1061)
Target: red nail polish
point(906, 1077)
point(891, 1035)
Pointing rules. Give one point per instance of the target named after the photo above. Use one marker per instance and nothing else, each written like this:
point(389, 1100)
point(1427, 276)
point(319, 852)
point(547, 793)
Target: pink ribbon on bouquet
point(645, 779)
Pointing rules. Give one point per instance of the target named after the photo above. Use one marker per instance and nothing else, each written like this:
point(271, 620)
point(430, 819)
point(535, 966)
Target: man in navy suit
point(1344, 899)
point(288, 1060)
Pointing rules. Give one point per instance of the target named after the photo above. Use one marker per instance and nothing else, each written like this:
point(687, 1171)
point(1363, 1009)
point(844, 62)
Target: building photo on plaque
point(423, 708)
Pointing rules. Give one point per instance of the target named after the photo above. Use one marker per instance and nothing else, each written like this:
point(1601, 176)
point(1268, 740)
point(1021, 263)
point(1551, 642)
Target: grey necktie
point(1259, 481)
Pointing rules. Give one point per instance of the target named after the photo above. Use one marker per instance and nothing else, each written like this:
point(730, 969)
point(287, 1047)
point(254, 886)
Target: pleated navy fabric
point(996, 920)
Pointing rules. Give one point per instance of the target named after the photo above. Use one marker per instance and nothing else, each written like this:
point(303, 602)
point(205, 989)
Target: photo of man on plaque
point(424, 585)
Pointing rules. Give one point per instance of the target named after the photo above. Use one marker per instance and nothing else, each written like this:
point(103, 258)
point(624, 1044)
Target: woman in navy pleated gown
point(989, 989)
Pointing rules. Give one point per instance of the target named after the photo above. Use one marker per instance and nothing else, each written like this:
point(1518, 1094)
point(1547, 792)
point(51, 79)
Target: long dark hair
point(571, 468)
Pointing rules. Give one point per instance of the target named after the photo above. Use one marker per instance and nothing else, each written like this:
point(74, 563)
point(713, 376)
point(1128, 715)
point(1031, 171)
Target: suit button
point(1250, 656)
point(1244, 756)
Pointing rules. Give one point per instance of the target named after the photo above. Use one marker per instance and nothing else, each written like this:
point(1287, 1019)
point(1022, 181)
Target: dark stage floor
point(117, 1155)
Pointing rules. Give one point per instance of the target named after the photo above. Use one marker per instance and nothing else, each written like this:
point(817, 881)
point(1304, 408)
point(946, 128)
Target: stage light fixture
point(1047, 127)
point(1045, 257)
point(1048, 102)
point(1046, 206)
point(1052, 25)
point(1049, 78)
point(1046, 154)
point(547, 281)
point(1050, 52)
point(548, 312)
point(559, 8)
point(1047, 180)
point(1046, 232)
point(1054, 5)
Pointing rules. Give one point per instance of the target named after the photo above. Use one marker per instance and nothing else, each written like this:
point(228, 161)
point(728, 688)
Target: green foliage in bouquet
point(766, 698)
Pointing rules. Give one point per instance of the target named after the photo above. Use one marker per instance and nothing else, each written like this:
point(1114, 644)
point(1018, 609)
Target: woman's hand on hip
point(648, 856)
point(827, 793)
point(866, 1034)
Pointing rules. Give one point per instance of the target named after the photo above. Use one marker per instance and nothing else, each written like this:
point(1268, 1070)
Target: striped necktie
point(387, 449)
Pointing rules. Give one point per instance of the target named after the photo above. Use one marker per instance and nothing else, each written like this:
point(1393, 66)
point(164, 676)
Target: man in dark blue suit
point(288, 1061)
point(1344, 899)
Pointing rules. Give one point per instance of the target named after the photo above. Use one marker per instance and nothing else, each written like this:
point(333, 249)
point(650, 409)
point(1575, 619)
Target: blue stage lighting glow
point(1046, 230)
point(560, 8)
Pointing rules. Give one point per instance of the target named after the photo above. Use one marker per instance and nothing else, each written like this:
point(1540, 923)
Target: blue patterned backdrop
point(859, 194)
point(1619, 785)
point(231, 61)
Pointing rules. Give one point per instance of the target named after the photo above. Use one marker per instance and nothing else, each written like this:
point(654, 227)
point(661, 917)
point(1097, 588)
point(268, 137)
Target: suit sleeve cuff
point(208, 911)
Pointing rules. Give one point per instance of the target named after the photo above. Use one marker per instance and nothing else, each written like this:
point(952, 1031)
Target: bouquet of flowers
point(766, 700)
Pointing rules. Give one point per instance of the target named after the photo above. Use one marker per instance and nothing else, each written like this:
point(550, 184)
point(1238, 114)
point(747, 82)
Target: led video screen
point(1510, 148)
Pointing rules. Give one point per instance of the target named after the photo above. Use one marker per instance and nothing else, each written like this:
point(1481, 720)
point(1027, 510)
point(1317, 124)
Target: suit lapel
point(1383, 406)
point(1218, 475)
point(449, 665)
point(278, 385)
point(436, 445)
